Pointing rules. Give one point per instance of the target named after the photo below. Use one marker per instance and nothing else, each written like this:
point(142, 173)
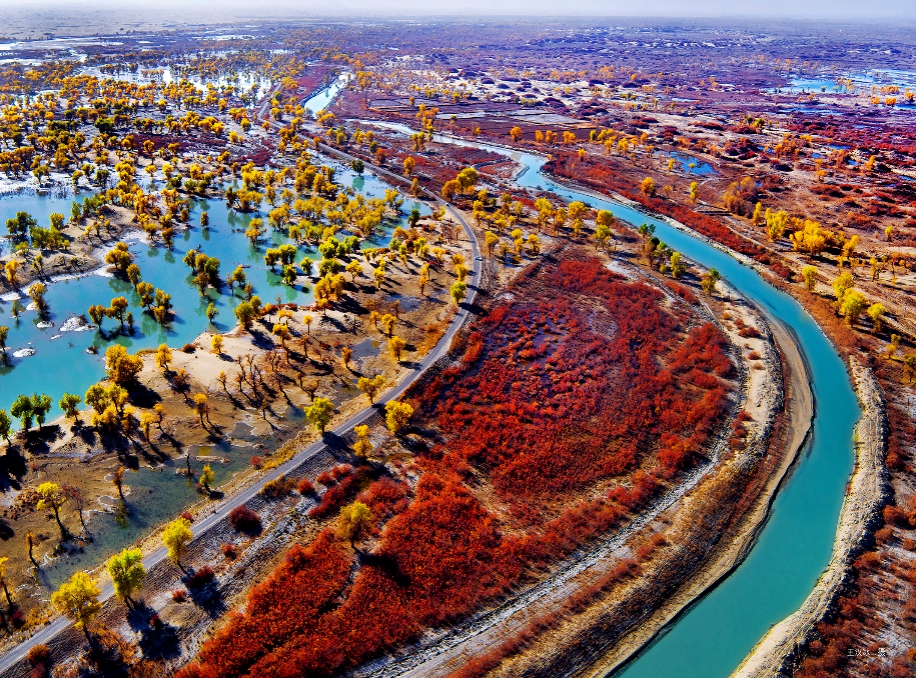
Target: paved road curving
point(48, 632)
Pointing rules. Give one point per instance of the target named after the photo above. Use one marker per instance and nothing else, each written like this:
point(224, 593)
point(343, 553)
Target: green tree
point(458, 291)
point(97, 398)
point(237, 276)
point(6, 426)
point(245, 314)
point(677, 266)
point(4, 333)
point(41, 405)
point(319, 413)
point(69, 403)
point(78, 600)
point(602, 235)
point(22, 410)
point(709, 280)
point(127, 572)
point(176, 537)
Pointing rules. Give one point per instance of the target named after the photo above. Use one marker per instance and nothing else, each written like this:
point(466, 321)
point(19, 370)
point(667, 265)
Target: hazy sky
point(221, 9)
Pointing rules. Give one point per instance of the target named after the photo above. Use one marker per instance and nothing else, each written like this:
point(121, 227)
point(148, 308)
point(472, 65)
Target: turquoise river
point(712, 638)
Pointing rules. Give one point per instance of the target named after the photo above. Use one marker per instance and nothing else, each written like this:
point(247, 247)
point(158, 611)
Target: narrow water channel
point(713, 637)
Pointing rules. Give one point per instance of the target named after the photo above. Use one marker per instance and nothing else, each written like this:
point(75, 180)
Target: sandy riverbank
point(799, 408)
point(864, 498)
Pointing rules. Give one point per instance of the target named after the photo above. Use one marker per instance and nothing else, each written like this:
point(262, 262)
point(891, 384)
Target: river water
point(713, 637)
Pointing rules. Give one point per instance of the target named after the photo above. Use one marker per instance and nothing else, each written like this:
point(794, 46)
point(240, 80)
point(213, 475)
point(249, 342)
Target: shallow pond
point(795, 545)
point(60, 362)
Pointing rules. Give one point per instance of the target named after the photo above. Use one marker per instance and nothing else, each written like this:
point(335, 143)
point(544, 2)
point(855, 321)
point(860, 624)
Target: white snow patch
point(75, 324)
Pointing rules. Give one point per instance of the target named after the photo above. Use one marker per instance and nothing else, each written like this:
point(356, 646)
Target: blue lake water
point(691, 165)
point(63, 365)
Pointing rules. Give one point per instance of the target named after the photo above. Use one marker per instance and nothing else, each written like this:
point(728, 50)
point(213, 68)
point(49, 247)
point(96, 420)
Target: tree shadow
point(336, 324)
point(159, 640)
point(350, 305)
point(143, 396)
point(261, 339)
point(12, 469)
point(386, 564)
point(337, 446)
point(139, 614)
point(207, 597)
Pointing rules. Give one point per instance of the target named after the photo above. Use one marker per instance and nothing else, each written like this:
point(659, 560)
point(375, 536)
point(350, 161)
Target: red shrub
point(589, 380)
point(200, 577)
point(243, 519)
point(341, 471)
point(336, 496)
point(285, 606)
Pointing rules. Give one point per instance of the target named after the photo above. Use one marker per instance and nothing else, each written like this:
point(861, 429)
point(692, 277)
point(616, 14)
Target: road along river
point(793, 549)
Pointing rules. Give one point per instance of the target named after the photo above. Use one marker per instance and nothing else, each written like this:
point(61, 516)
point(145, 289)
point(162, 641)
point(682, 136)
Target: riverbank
point(868, 490)
point(799, 411)
point(560, 610)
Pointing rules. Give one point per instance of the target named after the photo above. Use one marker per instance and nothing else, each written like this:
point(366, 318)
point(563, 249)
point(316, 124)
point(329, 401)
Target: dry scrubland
point(545, 493)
